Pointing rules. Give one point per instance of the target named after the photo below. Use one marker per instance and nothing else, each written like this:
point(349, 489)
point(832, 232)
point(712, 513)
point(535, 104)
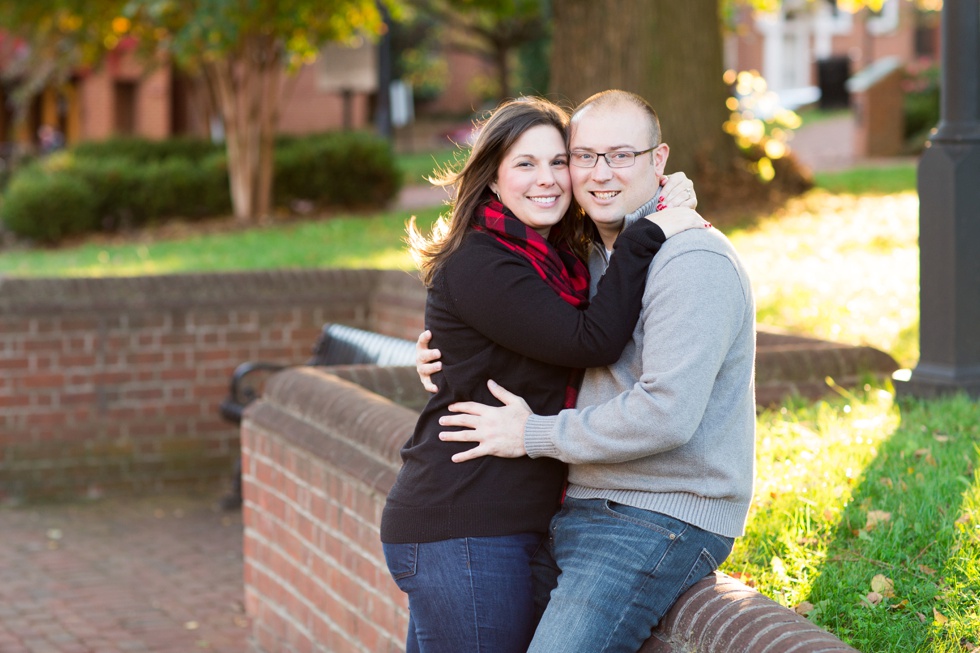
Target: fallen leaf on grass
point(967, 645)
point(803, 608)
point(778, 567)
point(883, 585)
point(939, 617)
point(873, 598)
point(901, 605)
point(922, 617)
point(876, 517)
point(745, 578)
point(940, 437)
point(927, 570)
point(964, 518)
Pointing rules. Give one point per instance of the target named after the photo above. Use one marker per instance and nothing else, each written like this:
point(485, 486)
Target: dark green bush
point(340, 169)
point(48, 206)
point(130, 182)
point(131, 195)
point(115, 183)
point(921, 103)
point(143, 150)
point(179, 187)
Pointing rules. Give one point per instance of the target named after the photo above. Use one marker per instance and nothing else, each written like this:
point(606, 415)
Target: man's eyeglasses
point(621, 159)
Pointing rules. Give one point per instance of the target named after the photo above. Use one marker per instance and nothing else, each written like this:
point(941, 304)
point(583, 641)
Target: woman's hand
point(674, 221)
point(676, 190)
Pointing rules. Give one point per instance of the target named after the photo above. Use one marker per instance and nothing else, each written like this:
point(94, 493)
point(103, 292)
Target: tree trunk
point(269, 92)
point(246, 89)
point(668, 52)
point(502, 55)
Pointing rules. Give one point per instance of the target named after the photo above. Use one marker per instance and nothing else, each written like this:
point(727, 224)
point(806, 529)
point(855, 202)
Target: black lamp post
point(949, 220)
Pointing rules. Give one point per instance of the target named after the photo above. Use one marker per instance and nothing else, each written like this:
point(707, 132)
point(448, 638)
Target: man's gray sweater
point(670, 427)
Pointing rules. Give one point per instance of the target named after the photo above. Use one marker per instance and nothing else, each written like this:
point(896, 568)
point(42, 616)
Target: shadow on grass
point(914, 520)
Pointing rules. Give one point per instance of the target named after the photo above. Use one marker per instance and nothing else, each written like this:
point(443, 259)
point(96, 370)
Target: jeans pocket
point(402, 559)
point(704, 565)
point(661, 524)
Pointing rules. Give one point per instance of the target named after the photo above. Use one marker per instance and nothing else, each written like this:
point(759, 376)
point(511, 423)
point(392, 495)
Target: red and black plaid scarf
point(558, 266)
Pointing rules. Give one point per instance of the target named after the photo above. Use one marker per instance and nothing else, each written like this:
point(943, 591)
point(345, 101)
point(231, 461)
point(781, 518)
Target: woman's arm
point(676, 191)
point(503, 298)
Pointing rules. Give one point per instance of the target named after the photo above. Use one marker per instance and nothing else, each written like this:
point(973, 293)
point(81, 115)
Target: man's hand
point(499, 431)
point(427, 361)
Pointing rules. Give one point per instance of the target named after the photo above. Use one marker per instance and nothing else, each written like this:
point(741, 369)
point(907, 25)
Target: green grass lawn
point(867, 510)
point(353, 241)
point(866, 518)
point(419, 166)
point(882, 180)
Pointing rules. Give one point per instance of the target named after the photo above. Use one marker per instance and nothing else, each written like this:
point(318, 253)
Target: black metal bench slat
point(338, 344)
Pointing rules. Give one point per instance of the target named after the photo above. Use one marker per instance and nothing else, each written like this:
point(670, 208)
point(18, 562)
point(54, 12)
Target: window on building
point(125, 108)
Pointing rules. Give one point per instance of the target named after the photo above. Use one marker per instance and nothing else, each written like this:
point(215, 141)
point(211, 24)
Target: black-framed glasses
point(620, 159)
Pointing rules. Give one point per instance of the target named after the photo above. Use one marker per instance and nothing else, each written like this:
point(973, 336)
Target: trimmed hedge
point(344, 169)
point(48, 206)
point(142, 150)
point(129, 182)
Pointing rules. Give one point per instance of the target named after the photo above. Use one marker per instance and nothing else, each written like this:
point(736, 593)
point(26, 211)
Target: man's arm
point(692, 310)
point(427, 361)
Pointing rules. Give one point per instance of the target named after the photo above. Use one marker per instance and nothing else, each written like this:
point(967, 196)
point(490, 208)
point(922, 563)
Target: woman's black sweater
point(493, 317)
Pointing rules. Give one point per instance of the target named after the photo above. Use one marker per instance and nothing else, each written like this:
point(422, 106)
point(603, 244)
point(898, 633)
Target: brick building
point(125, 96)
point(803, 46)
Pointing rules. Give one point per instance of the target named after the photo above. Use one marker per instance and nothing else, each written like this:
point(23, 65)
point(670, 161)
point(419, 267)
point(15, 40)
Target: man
point(661, 446)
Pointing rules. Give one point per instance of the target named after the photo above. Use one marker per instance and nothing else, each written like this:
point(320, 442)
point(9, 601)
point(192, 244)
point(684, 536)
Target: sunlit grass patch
point(867, 519)
point(877, 180)
point(840, 267)
point(808, 457)
point(337, 242)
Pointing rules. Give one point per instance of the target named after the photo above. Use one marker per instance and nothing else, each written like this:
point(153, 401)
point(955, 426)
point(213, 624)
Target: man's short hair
point(616, 97)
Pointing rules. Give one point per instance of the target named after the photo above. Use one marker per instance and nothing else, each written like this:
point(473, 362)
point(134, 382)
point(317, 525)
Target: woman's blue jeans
point(621, 570)
point(467, 595)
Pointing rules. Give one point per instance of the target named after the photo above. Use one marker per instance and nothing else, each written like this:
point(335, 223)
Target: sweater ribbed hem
point(719, 516)
point(537, 436)
point(411, 524)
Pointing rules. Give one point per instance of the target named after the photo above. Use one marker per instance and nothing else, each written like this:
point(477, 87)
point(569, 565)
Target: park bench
point(338, 345)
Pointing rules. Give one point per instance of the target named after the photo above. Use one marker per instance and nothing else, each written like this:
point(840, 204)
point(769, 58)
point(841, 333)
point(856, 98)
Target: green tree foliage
point(51, 39)
point(241, 48)
point(495, 30)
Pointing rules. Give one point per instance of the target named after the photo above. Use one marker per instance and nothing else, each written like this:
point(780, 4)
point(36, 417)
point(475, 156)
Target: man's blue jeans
point(468, 595)
point(622, 568)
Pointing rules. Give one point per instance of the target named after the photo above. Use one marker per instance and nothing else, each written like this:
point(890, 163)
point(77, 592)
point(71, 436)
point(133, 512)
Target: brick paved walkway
point(136, 575)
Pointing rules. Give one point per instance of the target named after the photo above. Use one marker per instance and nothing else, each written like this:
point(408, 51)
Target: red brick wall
point(113, 385)
point(319, 456)
point(306, 108)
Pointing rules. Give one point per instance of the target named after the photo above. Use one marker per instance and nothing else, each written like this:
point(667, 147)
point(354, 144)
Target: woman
point(508, 300)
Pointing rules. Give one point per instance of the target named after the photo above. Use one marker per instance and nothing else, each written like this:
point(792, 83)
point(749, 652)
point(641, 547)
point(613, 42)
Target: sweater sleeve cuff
point(537, 436)
point(644, 233)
